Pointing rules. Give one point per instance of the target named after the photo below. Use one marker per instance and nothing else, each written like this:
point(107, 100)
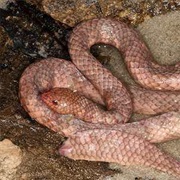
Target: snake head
point(60, 100)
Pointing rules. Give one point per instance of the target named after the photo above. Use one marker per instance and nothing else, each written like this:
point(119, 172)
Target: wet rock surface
point(39, 144)
point(33, 32)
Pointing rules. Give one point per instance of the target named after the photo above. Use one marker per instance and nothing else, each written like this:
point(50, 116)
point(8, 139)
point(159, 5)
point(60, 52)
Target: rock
point(72, 12)
point(162, 35)
point(10, 159)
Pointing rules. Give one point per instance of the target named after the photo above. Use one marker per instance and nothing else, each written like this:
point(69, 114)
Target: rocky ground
point(29, 150)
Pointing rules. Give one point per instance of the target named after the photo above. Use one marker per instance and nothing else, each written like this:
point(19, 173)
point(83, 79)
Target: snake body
point(54, 85)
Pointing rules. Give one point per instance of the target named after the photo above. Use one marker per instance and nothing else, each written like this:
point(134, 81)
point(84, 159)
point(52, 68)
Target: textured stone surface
point(10, 159)
point(72, 12)
point(162, 35)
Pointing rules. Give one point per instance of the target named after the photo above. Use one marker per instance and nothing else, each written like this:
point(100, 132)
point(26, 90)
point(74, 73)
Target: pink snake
point(104, 135)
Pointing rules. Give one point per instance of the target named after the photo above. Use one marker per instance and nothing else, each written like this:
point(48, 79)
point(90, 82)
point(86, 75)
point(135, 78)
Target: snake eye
point(55, 102)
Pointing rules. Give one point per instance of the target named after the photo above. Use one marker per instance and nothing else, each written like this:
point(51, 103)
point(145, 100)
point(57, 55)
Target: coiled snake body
point(54, 85)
